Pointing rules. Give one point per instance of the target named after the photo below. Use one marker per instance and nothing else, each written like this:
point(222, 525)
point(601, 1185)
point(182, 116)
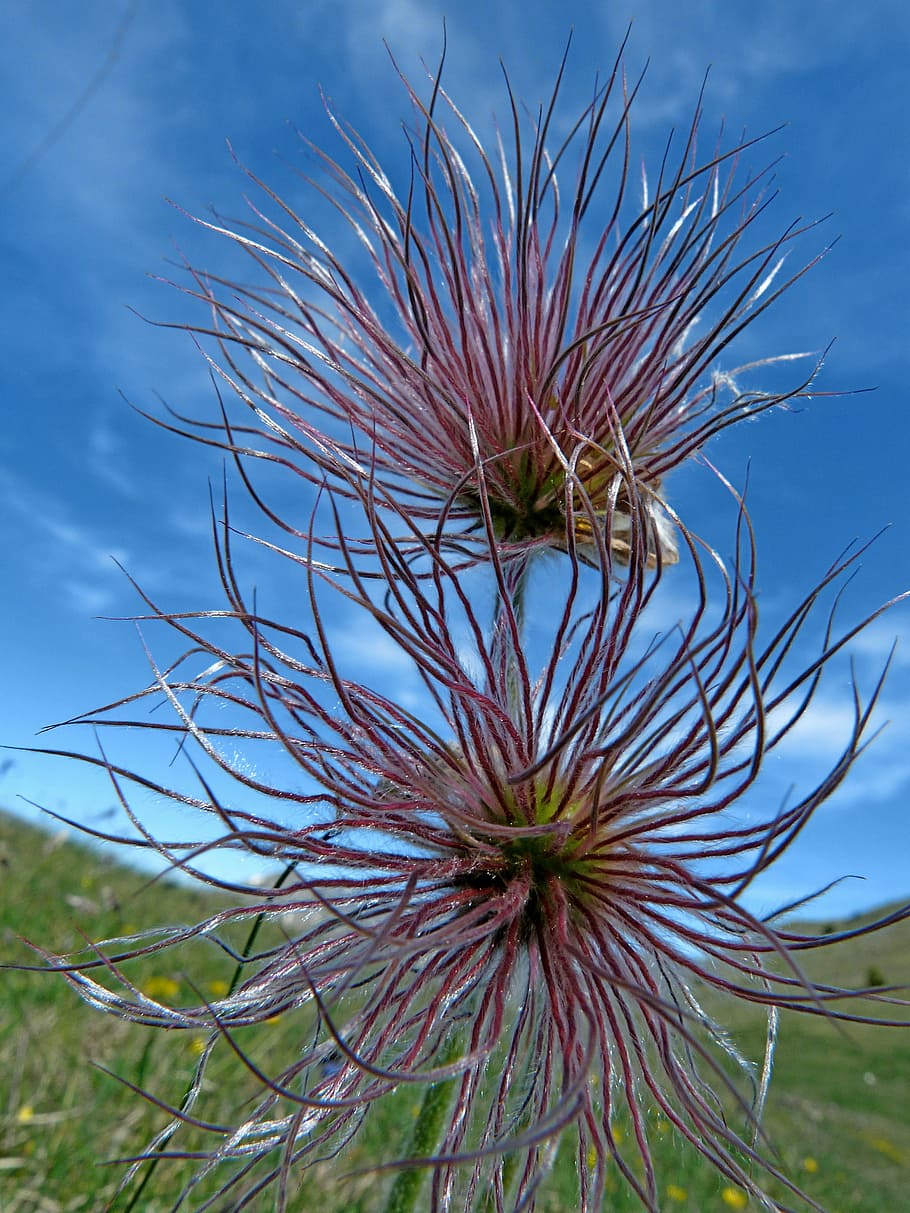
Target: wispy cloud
point(746, 53)
point(60, 551)
point(887, 638)
point(109, 457)
point(822, 735)
point(113, 149)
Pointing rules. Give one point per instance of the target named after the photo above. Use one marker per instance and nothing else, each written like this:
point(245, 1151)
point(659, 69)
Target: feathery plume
point(508, 307)
point(525, 903)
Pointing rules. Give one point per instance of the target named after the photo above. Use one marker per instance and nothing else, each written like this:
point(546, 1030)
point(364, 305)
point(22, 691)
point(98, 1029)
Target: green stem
point(426, 1136)
point(515, 578)
point(438, 1097)
point(509, 1164)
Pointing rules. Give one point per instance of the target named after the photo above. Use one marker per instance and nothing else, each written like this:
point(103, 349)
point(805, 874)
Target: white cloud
point(73, 557)
point(821, 736)
point(825, 727)
point(876, 642)
point(109, 457)
point(411, 27)
point(81, 544)
point(112, 147)
point(86, 597)
point(747, 50)
point(365, 644)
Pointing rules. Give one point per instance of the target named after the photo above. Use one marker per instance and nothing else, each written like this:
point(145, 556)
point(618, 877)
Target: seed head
point(521, 910)
point(515, 314)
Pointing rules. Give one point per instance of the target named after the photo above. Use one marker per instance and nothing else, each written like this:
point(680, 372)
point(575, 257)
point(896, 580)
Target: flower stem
point(427, 1132)
point(511, 601)
point(509, 617)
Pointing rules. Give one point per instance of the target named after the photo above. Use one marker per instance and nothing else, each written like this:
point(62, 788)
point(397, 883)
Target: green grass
point(839, 1111)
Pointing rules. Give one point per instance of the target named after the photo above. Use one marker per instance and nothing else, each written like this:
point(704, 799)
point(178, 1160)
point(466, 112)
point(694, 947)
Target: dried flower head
point(498, 324)
point(520, 909)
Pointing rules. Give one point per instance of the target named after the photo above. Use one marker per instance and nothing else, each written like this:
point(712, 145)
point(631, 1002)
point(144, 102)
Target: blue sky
point(107, 109)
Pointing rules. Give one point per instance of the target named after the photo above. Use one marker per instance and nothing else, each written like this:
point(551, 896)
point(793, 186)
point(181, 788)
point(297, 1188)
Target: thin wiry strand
point(531, 891)
point(489, 315)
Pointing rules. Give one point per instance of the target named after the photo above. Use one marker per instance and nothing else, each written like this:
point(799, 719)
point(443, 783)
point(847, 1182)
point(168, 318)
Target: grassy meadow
point(838, 1114)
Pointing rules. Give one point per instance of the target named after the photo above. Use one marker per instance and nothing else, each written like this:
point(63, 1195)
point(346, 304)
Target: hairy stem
point(427, 1132)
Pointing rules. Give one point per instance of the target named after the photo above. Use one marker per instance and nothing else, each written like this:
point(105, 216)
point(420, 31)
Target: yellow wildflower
point(886, 1147)
point(734, 1197)
point(161, 988)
